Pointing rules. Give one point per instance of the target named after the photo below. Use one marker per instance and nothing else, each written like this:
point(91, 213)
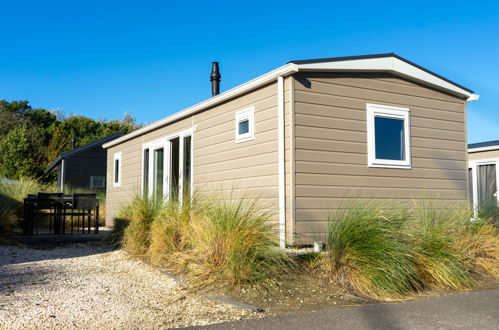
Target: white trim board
point(489, 148)
point(390, 64)
point(281, 161)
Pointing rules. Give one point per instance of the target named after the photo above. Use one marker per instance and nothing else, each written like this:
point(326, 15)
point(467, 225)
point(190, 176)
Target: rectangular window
point(245, 125)
point(98, 182)
point(117, 170)
point(388, 136)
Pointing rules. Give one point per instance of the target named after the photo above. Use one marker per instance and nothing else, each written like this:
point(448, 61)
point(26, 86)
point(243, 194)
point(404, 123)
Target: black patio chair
point(53, 203)
point(29, 214)
point(86, 207)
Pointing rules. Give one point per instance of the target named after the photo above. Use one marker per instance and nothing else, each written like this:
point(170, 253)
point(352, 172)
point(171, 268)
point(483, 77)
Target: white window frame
point(164, 143)
point(385, 111)
point(473, 165)
point(117, 155)
point(242, 115)
point(92, 181)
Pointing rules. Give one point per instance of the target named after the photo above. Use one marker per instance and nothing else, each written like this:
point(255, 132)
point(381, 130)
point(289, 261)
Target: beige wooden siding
point(220, 165)
point(331, 145)
point(483, 155)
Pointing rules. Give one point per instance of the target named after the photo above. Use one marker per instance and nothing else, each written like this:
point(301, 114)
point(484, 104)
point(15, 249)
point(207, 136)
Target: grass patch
point(365, 250)
point(385, 251)
point(169, 233)
point(140, 214)
point(211, 240)
point(235, 242)
point(433, 228)
point(379, 250)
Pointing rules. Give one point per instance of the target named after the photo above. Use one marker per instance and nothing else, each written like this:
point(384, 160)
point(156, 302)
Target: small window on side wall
point(98, 182)
point(117, 170)
point(388, 136)
point(245, 125)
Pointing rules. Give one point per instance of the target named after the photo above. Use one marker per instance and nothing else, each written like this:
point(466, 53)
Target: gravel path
point(92, 286)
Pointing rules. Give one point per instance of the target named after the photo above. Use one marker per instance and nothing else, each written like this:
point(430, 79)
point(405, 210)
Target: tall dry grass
point(170, 231)
point(384, 250)
point(433, 228)
point(235, 242)
point(139, 214)
point(366, 250)
point(212, 240)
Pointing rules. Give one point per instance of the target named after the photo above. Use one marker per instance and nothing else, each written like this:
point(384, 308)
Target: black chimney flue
point(215, 79)
point(73, 141)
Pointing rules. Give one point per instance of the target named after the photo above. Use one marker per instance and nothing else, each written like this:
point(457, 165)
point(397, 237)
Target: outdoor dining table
point(61, 207)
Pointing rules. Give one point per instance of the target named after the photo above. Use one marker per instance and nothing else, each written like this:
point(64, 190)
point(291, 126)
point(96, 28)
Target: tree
point(30, 139)
point(20, 153)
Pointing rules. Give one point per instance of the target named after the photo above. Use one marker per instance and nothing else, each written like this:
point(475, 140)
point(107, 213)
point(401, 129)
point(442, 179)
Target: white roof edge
point(247, 86)
point(393, 65)
point(389, 64)
point(489, 148)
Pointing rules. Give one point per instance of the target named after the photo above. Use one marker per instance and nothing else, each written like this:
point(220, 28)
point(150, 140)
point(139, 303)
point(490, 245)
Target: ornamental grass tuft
point(366, 250)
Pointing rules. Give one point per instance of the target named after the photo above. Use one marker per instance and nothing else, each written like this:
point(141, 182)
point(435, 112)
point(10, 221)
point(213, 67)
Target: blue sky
point(152, 58)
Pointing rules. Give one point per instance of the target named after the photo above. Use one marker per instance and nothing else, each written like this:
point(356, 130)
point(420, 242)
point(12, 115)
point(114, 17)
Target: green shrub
point(367, 251)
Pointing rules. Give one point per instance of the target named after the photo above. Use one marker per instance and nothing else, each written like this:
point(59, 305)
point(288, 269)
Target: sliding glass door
point(167, 167)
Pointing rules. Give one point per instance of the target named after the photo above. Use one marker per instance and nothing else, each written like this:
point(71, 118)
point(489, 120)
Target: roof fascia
point(283, 71)
point(392, 65)
point(489, 148)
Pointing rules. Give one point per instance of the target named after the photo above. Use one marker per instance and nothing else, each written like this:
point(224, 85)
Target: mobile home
point(306, 137)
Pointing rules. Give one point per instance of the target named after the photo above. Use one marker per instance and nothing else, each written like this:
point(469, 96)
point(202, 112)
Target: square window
point(388, 136)
point(245, 125)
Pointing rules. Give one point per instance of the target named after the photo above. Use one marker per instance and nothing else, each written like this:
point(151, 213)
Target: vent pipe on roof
point(215, 79)
point(73, 141)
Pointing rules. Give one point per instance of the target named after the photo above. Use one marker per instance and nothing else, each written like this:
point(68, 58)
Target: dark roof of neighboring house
point(77, 150)
point(360, 57)
point(483, 144)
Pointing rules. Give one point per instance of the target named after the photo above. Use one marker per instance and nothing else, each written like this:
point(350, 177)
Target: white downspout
point(281, 163)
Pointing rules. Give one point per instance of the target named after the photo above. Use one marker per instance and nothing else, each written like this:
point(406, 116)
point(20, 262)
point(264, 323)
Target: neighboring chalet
point(483, 159)
point(84, 166)
point(307, 137)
